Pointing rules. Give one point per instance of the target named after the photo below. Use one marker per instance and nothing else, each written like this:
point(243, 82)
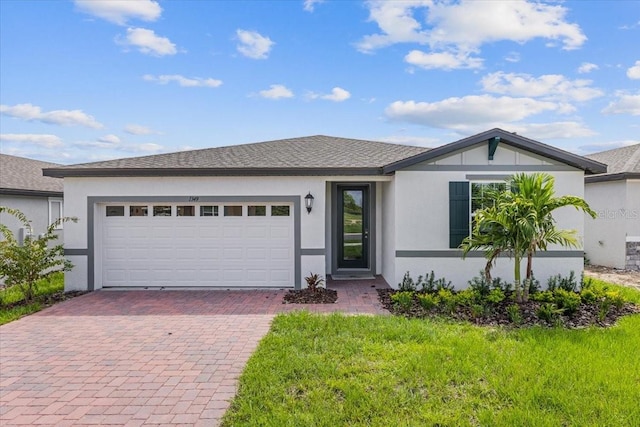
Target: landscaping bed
point(566, 302)
point(309, 296)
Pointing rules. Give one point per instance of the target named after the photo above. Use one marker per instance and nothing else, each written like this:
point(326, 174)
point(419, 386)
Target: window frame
point(472, 212)
point(51, 202)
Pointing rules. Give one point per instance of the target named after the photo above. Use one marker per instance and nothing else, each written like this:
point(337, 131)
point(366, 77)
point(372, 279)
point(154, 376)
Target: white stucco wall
point(314, 233)
point(35, 208)
point(422, 214)
point(388, 244)
point(617, 204)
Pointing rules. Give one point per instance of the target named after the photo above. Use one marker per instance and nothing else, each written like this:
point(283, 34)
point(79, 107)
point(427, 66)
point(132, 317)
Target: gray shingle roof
point(624, 159)
point(308, 153)
point(20, 175)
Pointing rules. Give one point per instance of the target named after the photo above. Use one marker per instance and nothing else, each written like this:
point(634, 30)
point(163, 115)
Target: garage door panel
point(197, 251)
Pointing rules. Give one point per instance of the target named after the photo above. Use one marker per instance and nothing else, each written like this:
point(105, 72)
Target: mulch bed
point(586, 315)
point(47, 300)
point(307, 296)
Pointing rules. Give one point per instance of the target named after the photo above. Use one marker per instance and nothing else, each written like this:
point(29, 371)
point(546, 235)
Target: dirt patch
point(629, 278)
point(307, 296)
point(497, 314)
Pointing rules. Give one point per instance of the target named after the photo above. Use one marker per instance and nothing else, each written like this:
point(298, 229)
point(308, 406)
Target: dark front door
point(353, 226)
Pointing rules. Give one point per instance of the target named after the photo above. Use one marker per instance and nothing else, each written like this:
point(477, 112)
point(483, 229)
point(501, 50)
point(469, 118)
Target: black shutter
point(458, 212)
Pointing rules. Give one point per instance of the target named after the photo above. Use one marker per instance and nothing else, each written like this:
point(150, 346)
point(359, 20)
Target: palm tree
point(538, 191)
point(520, 223)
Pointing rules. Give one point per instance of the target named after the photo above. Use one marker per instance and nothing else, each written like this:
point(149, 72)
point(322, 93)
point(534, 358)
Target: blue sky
point(91, 80)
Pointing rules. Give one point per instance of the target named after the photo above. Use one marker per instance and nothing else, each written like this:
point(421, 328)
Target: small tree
point(24, 265)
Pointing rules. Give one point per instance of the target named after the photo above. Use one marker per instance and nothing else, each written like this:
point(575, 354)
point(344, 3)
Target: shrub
point(468, 297)
point(567, 283)
point(603, 310)
point(448, 300)
point(615, 298)
point(407, 283)
point(480, 285)
point(496, 296)
point(478, 310)
point(515, 316)
point(314, 281)
point(549, 312)
point(534, 284)
point(503, 285)
point(25, 265)
point(403, 299)
point(545, 296)
point(428, 301)
point(589, 296)
point(567, 301)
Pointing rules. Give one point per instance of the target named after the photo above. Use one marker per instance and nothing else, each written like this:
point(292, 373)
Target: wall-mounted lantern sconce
point(308, 202)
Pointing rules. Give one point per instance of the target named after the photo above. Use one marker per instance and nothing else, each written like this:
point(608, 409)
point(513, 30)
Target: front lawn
point(334, 370)
point(12, 305)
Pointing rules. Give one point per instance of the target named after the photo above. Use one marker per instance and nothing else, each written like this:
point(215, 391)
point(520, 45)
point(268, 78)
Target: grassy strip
point(384, 370)
point(11, 296)
point(630, 294)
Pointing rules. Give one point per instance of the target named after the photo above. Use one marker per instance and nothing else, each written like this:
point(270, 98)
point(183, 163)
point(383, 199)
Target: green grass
point(335, 370)
point(13, 295)
point(629, 293)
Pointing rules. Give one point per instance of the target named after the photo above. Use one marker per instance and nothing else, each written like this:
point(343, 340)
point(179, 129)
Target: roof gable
point(22, 176)
point(535, 147)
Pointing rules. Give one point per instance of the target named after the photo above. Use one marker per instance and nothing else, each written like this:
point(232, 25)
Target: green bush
point(407, 284)
point(479, 310)
point(514, 313)
point(615, 298)
point(590, 296)
point(559, 282)
point(544, 296)
point(448, 299)
point(428, 301)
point(24, 265)
point(468, 297)
point(496, 296)
point(567, 301)
point(480, 285)
point(403, 300)
point(549, 312)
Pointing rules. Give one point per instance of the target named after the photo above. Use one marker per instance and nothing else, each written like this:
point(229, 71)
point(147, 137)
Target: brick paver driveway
point(141, 357)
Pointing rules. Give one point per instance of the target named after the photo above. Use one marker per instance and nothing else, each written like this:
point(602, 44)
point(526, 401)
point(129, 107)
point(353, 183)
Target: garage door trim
point(92, 201)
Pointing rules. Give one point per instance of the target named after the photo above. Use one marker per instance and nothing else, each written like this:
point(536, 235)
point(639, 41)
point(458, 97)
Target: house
point(268, 214)
point(613, 240)
point(23, 187)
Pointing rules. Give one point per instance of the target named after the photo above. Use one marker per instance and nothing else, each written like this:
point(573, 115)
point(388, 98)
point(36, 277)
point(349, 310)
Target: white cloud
point(634, 72)
point(337, 95)
point(31, 112)
point(134, 129)
point(553, 130)
point(624, 104)
point(40, 139)
point(587, 67)
point(253, 44)
point(512, 57)
point(442, 60)
point(309, 5)
point(395, 20)
point(119, 12)
point(276, 92)
point(148, 147)
point(461, 28)
point(110, 139)
point(182, 81)
point(147, 42)
point(468, 112)
point(548, 86)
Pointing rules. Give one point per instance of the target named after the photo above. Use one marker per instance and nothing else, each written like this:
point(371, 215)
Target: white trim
point(59, 209)
point(634, 239)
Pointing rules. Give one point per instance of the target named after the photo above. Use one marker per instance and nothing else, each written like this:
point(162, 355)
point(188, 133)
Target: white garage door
point(180, 245)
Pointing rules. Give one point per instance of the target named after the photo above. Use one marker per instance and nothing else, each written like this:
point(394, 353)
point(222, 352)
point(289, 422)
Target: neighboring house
point(613, 240)
point(235, 216)
point(24, 187)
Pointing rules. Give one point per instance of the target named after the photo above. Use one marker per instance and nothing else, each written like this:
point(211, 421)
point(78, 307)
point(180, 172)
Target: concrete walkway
point(142, 357)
